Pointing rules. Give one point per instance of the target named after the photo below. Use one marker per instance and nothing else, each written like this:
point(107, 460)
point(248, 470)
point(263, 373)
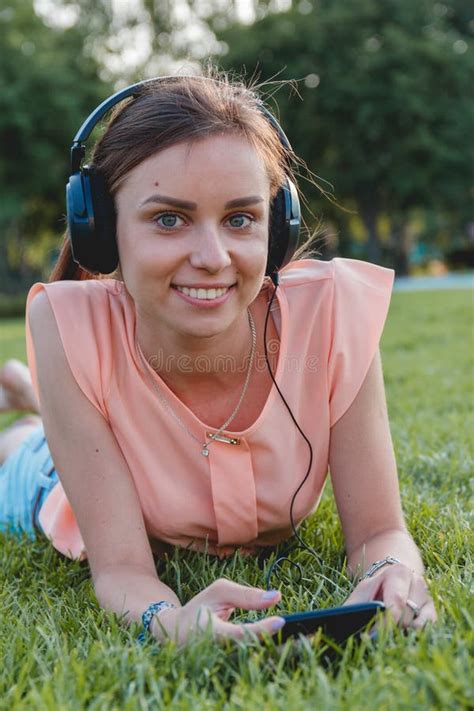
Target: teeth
point(202, 293)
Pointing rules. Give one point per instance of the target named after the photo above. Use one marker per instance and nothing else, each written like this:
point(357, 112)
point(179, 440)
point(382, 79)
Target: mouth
point(203, 294)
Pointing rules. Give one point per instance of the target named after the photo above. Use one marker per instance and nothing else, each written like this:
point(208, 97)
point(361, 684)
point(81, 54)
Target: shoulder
point(79, 311)
point(41, 325)
point(305, 271)
point(69, 302)
point(69, 327)
point(323, 289)
point(86, 289)
point(337, 270)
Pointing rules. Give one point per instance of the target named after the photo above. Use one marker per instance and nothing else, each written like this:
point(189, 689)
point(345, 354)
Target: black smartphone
point(338, 623)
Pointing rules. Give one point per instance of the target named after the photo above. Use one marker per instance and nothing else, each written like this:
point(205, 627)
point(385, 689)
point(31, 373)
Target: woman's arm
point(101, 491)
point(96, 479)
point(365, 483)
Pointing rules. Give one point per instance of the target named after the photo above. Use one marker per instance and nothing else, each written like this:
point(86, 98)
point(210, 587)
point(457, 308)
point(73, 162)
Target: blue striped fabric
point(26, 477)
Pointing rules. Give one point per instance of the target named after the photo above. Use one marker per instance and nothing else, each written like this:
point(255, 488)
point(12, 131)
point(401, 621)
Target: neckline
point(185, 413)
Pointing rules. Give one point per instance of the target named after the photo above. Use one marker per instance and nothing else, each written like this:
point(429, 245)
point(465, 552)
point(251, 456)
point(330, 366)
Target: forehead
point(219, 163)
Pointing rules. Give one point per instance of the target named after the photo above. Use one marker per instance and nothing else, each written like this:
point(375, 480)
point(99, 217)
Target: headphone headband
point(78, 148)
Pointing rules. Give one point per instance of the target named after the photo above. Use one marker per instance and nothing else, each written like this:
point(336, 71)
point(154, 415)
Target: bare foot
point(16, 390)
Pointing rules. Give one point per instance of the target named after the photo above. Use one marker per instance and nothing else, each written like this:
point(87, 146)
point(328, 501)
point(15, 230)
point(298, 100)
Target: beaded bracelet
point(154, 609)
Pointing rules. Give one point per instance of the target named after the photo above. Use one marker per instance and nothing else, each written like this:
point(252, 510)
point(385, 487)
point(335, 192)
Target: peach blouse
point(330, 316)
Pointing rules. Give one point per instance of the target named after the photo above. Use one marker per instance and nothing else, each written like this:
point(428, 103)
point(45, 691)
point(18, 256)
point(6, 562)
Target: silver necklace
point(216, 435)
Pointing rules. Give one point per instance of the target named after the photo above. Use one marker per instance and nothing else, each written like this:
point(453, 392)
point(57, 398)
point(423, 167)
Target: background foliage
point(381, 109)
point(386, 107)
point(47, 83)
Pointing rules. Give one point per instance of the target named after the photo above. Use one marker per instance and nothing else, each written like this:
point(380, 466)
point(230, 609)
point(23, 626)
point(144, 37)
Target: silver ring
point(413, 607)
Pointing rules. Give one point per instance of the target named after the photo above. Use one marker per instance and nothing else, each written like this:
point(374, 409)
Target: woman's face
point(192, 232)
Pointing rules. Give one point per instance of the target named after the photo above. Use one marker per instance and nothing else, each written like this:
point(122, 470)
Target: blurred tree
point(458, 14)
point(387, 102)
point(47, 85)
point(386, 88)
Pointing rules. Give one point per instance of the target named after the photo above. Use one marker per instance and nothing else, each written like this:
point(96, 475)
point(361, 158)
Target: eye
point(167, 220)
point(241, 220)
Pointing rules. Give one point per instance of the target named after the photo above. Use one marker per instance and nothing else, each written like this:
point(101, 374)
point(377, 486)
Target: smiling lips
point(201, 293)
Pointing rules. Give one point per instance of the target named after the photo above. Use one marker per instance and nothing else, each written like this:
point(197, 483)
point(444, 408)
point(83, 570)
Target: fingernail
point(278, 624)
point(270, 594)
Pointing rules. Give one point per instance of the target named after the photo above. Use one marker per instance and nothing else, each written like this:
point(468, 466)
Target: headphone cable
point(275, 277)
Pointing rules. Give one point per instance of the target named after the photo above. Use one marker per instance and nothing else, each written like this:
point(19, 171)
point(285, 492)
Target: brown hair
point(174, 110)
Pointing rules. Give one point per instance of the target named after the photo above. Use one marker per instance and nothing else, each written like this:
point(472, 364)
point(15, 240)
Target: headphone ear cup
point(285, 219)
point(91, 222)
point(103, 246)
point(278, 236)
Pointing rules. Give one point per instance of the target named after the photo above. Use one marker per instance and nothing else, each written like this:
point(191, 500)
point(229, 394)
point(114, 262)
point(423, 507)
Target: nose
point(210, 252)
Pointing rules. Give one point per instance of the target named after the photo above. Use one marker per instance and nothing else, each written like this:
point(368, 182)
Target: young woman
point(158, 406)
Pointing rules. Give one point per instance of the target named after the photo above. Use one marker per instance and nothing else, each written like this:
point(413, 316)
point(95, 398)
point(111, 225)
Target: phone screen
point(339, 623)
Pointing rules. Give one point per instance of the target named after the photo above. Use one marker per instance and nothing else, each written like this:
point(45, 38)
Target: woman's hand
point(213, 606)
point(404, 593)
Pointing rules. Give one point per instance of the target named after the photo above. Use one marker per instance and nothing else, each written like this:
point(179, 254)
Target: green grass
point(60, 651)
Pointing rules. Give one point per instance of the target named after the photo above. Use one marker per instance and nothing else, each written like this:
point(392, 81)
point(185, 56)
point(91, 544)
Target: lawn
point(60, 651)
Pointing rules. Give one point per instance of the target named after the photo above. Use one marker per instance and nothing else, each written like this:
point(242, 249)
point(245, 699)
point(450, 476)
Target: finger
point(270, 626)
point(206, 618)
point(224, 613)
point(395, 594)
point(427, 614)
point(226, 593)
point(419, 591)
point(363, 592)
point(417, 595)
point(420, 596)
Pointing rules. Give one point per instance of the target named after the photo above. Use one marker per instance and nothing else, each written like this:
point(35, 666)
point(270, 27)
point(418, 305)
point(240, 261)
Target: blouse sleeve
point(81, 314)
point(360, 302)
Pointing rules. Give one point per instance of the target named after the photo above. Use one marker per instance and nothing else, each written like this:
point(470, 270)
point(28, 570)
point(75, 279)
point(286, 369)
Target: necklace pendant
point(205, 451)
point(216, 437)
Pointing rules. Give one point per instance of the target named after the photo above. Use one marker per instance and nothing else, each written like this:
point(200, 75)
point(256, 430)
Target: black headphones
point(91, 216)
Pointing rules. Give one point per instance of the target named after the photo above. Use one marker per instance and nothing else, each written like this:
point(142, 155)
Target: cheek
point(139, 255)
point(258, 252)
point(251, 259)
point(252, 265)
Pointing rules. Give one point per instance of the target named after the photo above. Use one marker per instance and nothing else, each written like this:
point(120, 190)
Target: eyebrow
point(185, 205)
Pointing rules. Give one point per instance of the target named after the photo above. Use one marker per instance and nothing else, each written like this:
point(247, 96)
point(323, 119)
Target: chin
point(204, 332)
